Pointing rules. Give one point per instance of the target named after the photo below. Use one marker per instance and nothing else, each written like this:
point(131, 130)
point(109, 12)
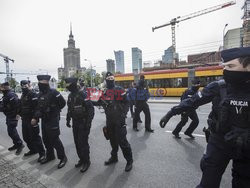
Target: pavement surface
point(159, 159)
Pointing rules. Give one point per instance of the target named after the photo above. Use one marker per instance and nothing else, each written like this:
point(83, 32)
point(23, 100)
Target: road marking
point(199, 135)
point(1, 147)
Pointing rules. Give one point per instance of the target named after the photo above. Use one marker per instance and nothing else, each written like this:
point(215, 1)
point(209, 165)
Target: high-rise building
point(136, 60)
point(110, 65)
point(71, 56)
point(119, 61)
point(168, 56)
point(233, 38)
point(246, 23)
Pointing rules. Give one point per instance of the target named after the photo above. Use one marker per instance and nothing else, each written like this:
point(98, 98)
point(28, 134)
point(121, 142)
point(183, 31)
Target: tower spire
point(71, 35)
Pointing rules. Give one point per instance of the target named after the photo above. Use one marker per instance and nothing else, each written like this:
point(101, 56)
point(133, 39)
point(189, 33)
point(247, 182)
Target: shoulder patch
point(199, 94)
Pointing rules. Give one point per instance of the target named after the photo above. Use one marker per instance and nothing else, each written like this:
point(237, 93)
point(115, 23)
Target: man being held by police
point(230, 126)
point(142, 96)
point(9, 106)
point(81, 111)
point(115, 104)
point(28, 104)
point(190, 114)
point(50, 103)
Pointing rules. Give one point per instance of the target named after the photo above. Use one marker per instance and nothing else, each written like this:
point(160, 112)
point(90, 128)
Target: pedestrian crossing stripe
point(199, 135)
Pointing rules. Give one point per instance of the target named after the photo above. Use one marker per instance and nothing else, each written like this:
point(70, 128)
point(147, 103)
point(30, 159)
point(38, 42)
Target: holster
point(106, 132)
point(207, 133)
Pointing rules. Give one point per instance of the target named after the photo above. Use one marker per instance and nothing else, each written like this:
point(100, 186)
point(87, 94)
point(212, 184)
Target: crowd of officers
point(228, 133)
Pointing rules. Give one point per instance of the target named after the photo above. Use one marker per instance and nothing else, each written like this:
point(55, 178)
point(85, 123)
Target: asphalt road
point(159, 159)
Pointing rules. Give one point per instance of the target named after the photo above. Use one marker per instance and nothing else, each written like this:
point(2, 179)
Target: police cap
point(70, 80)
point(234, 53)
point(24, 82)
point(43, 77)
point(108, 74)
point(142, 77)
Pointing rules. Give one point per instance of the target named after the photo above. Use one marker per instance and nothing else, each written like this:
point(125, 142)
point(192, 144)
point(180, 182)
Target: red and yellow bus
point(172, 82)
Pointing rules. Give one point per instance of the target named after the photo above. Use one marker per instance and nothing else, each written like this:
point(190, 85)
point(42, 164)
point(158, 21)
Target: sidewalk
point(14, 175)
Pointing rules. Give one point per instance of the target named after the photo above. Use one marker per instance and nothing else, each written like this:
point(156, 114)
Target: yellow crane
point(179, 19)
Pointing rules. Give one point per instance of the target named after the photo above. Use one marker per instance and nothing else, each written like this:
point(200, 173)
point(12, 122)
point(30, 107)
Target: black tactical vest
point(77, 106)
point(26, 104)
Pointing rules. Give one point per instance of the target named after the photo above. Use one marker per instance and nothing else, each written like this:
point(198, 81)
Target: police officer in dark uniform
point(28, 104)
point(142, 95)
point(190, 114)
point(50, 103)
point(81, 111)
point(115, 104)
point(10, 106)
point(230, 121)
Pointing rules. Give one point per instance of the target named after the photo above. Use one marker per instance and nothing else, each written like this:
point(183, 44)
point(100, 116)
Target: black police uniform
point(142, 95)
point(81, 111)
point(50, 103)
point(115, 104)
point(185, 115)
point(10, 106)
point(28, 104)
point(230, 127)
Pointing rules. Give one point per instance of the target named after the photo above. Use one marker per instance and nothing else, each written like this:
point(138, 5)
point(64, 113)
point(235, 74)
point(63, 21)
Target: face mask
point(141, 83)
point(25, 90)
point(236, 77)
point(72, 87)
point(110, 84)
point(43, 87)
point(195, 88)
point(5, 91)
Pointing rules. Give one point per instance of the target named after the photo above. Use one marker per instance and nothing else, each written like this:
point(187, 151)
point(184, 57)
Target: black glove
point(165, 119)
point(68, 124)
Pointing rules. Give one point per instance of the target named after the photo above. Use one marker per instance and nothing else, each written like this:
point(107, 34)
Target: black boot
point(149, 130)
point(19, 149)
point(41, 158)
point(79, 163)
point(176, 135)
point(190, 135)
point(129, 166)
point(136, 129)
point(111, 160)
point(47, 159)
point(29, 153)
point(13, 147)
point(85, 167)
point(62, 162)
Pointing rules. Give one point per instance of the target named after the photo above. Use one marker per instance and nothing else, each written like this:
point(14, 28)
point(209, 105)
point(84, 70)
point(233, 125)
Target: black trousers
point(31, 136)
point(81, 136)
point(118, 132)
point(215, 160)
point(50, 135)
point(142, 106)
point(184, 119)
point(12, 131)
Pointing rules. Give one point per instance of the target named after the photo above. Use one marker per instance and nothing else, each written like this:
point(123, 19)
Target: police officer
point(28, 104)
point(50, 103)
point(115, 105)
point(230, 127)
point(190, 114)
point(142, 95)
point(131, 95)
point(81, 111)
point(9, 106)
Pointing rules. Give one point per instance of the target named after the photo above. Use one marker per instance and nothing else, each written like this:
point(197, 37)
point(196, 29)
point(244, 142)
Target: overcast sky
point(34, 32)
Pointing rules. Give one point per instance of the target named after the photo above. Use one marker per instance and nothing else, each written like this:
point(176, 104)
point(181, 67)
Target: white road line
point(199, 135)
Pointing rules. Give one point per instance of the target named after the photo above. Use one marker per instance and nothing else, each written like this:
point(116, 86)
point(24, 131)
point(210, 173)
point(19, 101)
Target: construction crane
point(6, 60)
point(178, 19)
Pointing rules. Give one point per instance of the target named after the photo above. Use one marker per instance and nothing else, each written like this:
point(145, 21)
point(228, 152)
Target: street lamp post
point(224, 36)
point(91, 79)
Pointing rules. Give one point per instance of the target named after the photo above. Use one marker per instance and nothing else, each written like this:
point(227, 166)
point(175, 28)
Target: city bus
point(172, 82)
